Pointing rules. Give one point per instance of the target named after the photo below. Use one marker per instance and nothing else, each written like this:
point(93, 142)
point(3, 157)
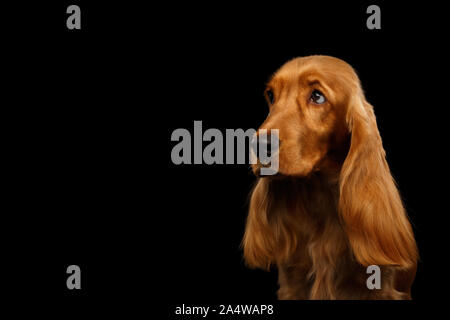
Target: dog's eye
point(317, 97)
point(270, 96)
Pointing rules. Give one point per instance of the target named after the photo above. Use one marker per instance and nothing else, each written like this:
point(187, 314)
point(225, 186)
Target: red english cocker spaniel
point(333, 208)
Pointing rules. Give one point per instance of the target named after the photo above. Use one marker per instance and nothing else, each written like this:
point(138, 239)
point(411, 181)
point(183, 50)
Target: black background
point(88, 119)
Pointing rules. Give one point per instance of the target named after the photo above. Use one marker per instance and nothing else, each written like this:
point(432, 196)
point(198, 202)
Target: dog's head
point(309, 103)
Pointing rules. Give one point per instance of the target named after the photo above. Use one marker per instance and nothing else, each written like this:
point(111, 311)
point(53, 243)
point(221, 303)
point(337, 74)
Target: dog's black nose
point(263, 144)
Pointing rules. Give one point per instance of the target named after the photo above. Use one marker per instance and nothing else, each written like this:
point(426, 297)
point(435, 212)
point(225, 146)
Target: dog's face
point(308, 100)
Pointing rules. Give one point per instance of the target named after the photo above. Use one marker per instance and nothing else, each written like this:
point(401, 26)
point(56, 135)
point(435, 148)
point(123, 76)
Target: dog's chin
point(256, 168)
point(281, 174)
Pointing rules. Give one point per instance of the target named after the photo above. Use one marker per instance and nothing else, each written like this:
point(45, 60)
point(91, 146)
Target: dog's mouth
point(257, 170)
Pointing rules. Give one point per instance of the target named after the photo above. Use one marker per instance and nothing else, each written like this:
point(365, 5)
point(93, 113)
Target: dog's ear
point(258, 242)
point(370, 206)
point(270, 233)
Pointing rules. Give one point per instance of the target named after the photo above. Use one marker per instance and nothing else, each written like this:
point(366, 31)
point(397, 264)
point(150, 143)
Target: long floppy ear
point(270, 236)
point(370, 205)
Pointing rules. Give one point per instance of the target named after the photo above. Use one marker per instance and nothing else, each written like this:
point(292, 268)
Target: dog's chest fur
point(323, 266)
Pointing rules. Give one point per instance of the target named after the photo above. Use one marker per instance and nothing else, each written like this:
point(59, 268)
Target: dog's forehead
point(321, 67)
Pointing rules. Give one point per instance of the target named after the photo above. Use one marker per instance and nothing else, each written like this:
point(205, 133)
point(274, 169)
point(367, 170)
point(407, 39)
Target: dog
point(333, 208)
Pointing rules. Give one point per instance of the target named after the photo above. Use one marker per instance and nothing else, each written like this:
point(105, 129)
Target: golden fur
point(333, 209)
